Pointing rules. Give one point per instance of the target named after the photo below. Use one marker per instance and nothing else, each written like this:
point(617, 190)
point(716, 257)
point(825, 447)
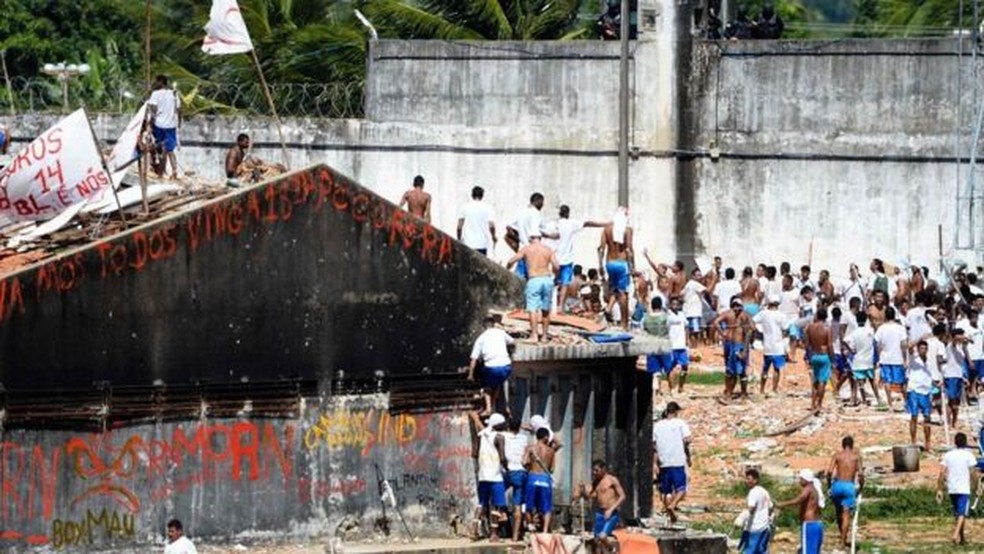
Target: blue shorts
point(975, 370)
point(672, 480)
point(539, 494)
point(492, 493)
point(755, 543)
point(166, 138)
point(521, 268)
point(618, 275)
point(566, 274)
point(843, 494)
point(693, 324)
point(602, 526)
point(659, 363)
point(482, 251)
point(916, 404)
point(820, 366)
point(751, 308)
point(539, 292)
point(811, 537)
point(842, 363)
point(862, 374)
point(734, 360)
point(961, 504)
point(639, 313)
point(795, 332)
point(516, 479)
point(954, 388)
point(494, 377)
point(892, 374)
point(777, 361)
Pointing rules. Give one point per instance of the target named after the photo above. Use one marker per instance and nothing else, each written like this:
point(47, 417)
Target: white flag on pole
point(226, 32)
point(124, 151)
point(57, 170)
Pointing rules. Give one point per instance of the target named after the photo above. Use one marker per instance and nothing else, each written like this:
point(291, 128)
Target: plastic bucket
point(905, 458)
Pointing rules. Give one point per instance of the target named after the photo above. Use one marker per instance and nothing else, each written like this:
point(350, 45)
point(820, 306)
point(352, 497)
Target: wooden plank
point(563, 319)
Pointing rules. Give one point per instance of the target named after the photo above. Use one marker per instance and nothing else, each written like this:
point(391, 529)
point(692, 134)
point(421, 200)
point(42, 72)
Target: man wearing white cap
point(541, 266)
point(491, 464)
point(810, 502)
point(773, 325)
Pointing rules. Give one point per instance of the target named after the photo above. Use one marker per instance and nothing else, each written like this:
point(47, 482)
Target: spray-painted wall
point(312, 475)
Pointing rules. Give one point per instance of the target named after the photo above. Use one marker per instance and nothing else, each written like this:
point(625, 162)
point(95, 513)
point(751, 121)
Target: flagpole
point(273, 107)
point(109, 174)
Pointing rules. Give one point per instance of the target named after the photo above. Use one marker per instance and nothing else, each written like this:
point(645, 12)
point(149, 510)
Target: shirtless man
point(736, 327)
point(901, 286)
point(539, 460)
point(750, 292)
point(845, 466)
point(876, 310)
point(820, 345)
point(810, 502)
point(418, 202)
point(825, 286)
point(642, 286)
point(616, 258)
point(234, 157)
point(608, 493)
point(541, 266)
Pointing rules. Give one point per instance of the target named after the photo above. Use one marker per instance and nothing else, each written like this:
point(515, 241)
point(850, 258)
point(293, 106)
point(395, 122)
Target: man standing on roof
point(616, 258)
point(476, 225)
point(417, 201)
point(567, 229)
point(163, 110)
point(529, 221)
point(541, 266)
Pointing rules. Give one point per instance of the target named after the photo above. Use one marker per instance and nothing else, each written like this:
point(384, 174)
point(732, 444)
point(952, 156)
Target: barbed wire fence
point(320, 100)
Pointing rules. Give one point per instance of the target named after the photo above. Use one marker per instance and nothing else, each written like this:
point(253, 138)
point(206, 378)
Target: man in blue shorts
point(891, 346)
point(492, 349)
point(671, 446)
point(609, 496)
point(918, 399)
point(616, 258)
point(737, 329)
point(539, 458)
point(773, 324)
point(163, 108)
point(958, 471)
point(541, 266)
point(810, 502)
point(845, 466)
point(819, 342)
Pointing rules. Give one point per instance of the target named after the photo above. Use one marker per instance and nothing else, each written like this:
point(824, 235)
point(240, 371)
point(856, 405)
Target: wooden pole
point(6, 78)
point(273, 107)
point(147, 47)
point(112, 185)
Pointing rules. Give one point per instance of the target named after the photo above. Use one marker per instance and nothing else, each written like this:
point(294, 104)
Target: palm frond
point(399, 19)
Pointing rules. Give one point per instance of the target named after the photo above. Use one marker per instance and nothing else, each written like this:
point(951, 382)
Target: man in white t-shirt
point(693, 306)
point(958, 466)
point(757, 529)
point(955, 373)
point(567, 229)
point(671, 447)
point(725, 290)
point(476, 227)
point(861, 344)
point(677, 324)
point(528, 222)
point(177, 542)
point(918, 395)
point(773, 325)
point(891, 342)
point(162, 110)
point(974, 337)
point(492, 348)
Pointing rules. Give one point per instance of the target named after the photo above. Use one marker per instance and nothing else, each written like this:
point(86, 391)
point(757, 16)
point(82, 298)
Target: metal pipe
point(623, 108)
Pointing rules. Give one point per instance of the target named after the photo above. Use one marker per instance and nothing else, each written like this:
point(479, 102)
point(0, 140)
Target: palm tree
point(476, 19)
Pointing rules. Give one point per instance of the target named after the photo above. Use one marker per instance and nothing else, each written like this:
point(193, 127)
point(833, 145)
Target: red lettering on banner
point(11, 298)
point(360, 207)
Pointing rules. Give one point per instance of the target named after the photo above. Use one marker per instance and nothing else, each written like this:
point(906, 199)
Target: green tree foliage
point(921, 17)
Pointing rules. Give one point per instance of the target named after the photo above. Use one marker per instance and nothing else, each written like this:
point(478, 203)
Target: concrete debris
point(759, 446)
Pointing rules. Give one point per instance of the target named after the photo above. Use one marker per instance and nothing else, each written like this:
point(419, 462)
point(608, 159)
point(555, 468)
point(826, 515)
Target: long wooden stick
point(854, 525)
point(273, 108)
point(109, 174)
point(147, 47)
point(10, 89)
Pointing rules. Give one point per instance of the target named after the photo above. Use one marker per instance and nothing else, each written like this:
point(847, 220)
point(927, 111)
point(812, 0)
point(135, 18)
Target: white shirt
point(489, 466)
point(918, 324)
point(958, 463)
point(889, 337)
point(861, 342)
point(725, 291)
point(789, 303)
point(772, 323)
point(181, 546)
point(528, 222)
point(678, 330)
point(919, 378)
point(491, 346)
point(514, 446)
point(567, 228)
point(935, 353)
point(167, 104)
point(759, 503)
point(807, 308)
point(852, 289)
point(975, 339)
point(692, 306)
point(476, 216)
point(955, 360)
point(668, 437)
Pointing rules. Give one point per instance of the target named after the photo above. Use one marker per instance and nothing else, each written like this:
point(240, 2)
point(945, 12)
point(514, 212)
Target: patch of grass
point(705, 378)
point(881, 503)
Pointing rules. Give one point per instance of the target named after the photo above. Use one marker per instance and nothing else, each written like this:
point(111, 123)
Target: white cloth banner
point(60, 168)
point(226, 32)
point(124, 152)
